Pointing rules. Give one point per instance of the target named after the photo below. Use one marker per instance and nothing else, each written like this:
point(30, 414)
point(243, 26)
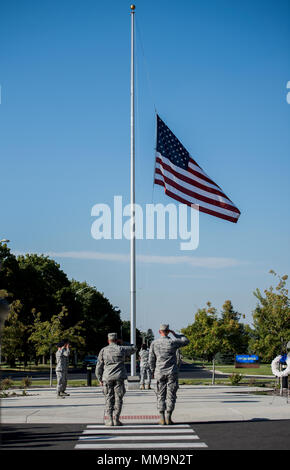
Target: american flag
point(184, 180)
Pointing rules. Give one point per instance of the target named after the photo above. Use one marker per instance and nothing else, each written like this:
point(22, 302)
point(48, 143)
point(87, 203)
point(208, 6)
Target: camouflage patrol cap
point(112, 336)
point(164, 327)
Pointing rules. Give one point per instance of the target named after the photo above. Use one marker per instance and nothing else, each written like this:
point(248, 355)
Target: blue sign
point(246, 358)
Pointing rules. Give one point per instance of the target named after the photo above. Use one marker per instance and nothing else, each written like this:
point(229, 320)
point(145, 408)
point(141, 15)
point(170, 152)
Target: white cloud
point(194, 261)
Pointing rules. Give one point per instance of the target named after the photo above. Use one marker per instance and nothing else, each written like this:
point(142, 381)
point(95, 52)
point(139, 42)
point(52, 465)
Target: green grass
point(45, 383)
point(33, 368)
point(260, 382)
point(264, 369)
point(244, 382)
point(71, 383)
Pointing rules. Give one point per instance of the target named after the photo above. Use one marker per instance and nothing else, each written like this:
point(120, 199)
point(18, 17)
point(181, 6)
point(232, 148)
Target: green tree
point(41, 286)
point(205, 334)
point(13, 335)
point(98, 315)
point(45, 334)
point(234, 335)
point(126, 335)
point(41, 281)
point(271, 320)
point(9, 271)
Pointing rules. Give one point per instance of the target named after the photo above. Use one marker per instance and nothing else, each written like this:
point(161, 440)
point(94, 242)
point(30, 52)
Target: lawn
point(260, 382)
point(45, 383)
point(264, 369)
point(244, 382)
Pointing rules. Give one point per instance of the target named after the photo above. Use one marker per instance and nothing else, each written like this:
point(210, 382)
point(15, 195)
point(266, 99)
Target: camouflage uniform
point(144, 367)
point(62, 362)
point(111, 371)
point(163, 364)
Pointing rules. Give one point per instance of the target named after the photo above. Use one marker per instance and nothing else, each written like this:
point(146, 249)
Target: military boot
point(109, 421)
point(162, 418)
point(60, 395)
point(168, 419)
point(117, 421)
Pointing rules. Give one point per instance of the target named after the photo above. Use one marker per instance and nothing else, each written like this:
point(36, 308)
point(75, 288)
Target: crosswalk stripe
point(140, 438)
point(141, 426)
point(139, 431)
point(151, 445)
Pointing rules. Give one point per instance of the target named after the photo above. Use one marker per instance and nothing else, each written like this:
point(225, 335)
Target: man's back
point(111, 362)
point(162, 356)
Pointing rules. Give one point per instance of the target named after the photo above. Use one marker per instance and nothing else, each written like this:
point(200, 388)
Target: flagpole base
point(133, 382)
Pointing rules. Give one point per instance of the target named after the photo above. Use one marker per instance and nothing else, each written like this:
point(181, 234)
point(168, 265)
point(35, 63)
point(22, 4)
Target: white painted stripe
point(136, 431)
point(134, 438)
point(149, 445)
point(139, 426)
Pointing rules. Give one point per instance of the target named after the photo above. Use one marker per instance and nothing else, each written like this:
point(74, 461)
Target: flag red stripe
point(190, 180)
point(202, 209)
point(197, 195)
point(200, 175)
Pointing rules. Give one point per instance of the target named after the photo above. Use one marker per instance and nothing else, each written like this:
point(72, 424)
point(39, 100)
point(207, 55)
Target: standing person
point(144, 367)
point(62, 362)
point(111, 373)
point(163, 363)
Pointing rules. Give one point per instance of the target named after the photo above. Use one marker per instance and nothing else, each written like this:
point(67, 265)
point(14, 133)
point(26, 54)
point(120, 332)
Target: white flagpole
point(132, 241)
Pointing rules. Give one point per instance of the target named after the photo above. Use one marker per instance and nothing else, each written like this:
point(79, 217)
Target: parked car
point(90, 361)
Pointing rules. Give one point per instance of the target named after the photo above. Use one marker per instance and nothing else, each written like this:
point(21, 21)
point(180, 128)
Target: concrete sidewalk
point(195, 403)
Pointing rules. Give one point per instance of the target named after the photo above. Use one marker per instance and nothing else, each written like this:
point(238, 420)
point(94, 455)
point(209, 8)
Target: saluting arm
point(182, 340)
point(65, 352)
point(129, 350)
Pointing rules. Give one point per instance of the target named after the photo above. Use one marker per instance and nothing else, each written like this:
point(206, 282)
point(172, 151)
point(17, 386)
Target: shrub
point(6, 383)
point(25, 382)
point(252, 381)
point(235, 378)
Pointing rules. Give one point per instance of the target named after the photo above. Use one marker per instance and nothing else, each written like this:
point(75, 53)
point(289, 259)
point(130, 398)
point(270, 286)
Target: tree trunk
point(213, 372)
point(11, 361)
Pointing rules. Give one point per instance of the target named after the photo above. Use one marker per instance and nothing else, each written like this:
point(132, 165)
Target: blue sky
point(217, 73)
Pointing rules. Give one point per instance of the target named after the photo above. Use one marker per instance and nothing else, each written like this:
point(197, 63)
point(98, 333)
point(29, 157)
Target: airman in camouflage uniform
point(144, 367)
point(111, 373)
point(62, 363)
point(163, 364)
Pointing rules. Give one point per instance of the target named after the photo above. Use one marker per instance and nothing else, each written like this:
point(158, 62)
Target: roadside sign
point(246, 358)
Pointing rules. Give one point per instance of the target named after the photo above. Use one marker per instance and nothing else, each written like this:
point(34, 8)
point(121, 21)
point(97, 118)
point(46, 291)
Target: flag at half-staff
point(184, 180)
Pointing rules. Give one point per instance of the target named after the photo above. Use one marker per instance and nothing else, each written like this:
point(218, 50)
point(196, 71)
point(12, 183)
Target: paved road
point(187, 371)
point(245, 435)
